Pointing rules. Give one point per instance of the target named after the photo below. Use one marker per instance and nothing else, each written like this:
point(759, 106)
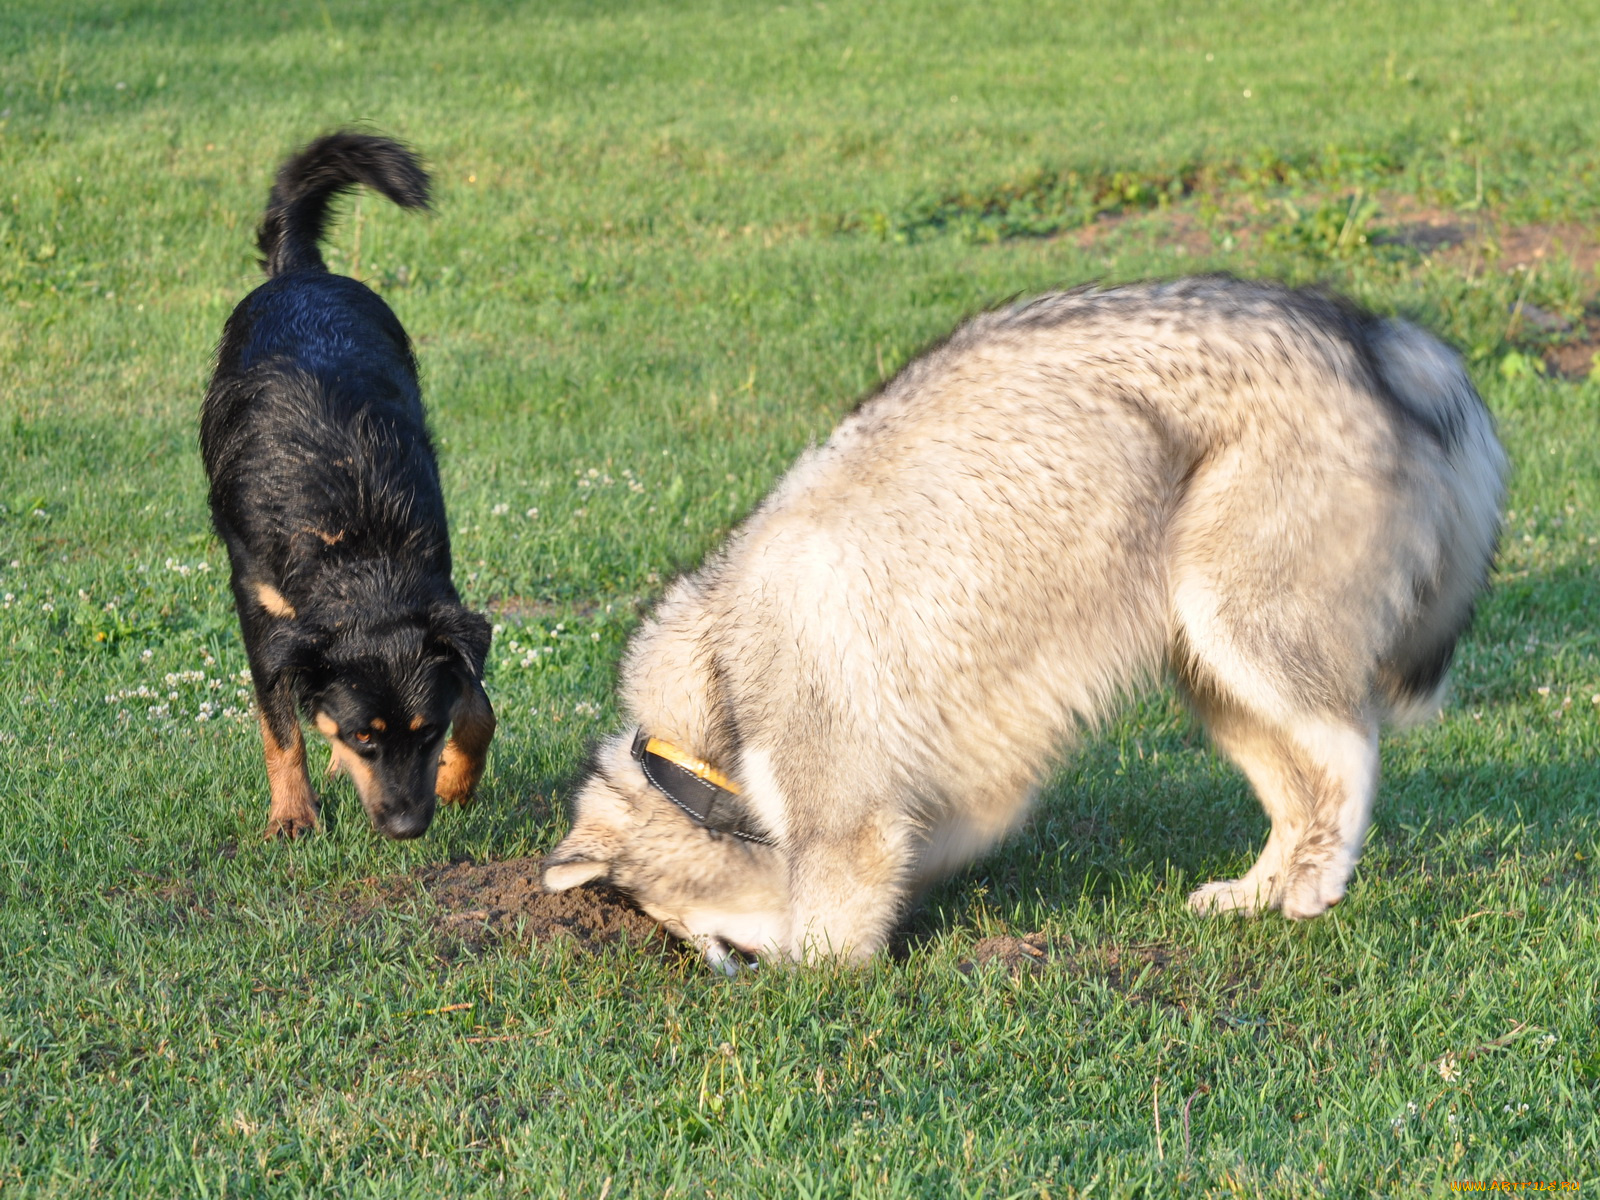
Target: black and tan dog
point(325, 489)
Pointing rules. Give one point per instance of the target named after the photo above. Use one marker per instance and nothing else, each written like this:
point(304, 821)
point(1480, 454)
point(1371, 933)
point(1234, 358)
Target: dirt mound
point(1018, 955)
point(484, 902)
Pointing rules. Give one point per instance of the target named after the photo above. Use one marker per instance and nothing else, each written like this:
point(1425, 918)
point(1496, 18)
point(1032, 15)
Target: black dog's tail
point(297, 210)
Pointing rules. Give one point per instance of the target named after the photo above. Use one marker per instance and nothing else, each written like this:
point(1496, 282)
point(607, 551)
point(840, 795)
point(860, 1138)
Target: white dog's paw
point(1230, 895)
point(1310, 895)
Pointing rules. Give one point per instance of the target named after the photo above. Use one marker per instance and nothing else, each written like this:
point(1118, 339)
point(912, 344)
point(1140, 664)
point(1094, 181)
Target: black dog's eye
point(363, 737)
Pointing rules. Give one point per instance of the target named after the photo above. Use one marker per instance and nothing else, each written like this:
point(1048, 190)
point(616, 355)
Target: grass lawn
point(672, 244)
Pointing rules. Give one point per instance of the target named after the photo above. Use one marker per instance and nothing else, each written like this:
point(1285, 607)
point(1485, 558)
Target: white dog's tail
point(1430, 385)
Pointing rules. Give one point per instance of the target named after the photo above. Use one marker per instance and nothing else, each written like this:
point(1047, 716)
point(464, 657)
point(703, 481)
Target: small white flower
point(594, 637)
point(499, 510)
point(148, 655)
point(48, 607)
point(532, 513)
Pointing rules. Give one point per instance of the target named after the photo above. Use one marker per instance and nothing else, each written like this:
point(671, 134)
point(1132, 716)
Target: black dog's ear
point(462, 634)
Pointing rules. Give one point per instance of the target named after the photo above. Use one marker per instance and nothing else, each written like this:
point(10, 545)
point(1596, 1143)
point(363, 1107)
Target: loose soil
point(1015, 955)
point(483, 903)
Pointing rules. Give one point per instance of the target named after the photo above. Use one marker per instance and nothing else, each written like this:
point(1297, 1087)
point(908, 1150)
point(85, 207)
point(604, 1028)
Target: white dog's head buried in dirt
point(1287, 503)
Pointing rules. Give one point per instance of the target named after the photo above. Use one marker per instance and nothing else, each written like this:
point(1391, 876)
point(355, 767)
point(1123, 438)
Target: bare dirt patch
point(1424, 229)
point(1133, 970)
point(483, 903)
point(1526, 246)
point(1015, 955)
point(1578, 359)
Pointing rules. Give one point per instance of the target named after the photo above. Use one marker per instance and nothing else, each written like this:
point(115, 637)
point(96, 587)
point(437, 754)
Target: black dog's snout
point(403, 826)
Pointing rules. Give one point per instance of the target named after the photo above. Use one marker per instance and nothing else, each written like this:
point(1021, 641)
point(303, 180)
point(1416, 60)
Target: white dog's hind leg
point(1316, 779)
point(1341, 779)
point(1254, 749)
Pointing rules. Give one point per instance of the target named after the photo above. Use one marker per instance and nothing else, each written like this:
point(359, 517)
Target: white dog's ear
point(577, 860)
point(602, 819)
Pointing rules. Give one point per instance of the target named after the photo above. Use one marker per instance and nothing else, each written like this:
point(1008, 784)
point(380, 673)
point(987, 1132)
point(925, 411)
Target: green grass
point(672, 244)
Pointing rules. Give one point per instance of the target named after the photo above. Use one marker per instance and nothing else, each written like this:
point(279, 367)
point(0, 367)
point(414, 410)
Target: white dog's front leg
point(846, 895)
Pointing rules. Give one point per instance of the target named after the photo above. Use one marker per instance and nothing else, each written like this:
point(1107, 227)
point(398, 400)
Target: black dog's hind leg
point(471, 730)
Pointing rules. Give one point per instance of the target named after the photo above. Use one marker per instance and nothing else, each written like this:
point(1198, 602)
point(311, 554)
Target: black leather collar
point(709, 798)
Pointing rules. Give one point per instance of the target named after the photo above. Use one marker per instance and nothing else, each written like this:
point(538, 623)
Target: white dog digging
point(1287, 503)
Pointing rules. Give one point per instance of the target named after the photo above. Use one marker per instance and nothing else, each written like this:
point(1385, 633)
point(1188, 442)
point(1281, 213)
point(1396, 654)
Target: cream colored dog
point(1288, 503)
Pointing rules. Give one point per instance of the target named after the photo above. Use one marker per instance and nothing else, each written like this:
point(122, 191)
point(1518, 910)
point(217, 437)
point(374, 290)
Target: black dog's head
point(384, 690)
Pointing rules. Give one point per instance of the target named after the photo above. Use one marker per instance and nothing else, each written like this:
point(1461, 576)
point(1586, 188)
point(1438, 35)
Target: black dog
point(325, 490)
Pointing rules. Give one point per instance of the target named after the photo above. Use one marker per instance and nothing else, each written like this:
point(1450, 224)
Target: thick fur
point(325, 490)
point(1289, 503)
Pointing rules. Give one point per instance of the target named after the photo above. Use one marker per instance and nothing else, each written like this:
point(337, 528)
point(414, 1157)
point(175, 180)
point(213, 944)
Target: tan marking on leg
point(271, 599)
point(294, 804)
point(472, 729)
